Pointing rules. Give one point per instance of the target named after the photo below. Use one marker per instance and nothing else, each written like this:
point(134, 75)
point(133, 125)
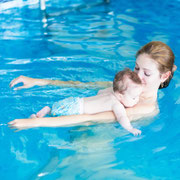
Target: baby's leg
point(43, 112)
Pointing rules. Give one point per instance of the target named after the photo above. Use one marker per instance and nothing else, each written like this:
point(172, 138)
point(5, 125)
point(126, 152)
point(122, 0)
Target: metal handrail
point(42, 5)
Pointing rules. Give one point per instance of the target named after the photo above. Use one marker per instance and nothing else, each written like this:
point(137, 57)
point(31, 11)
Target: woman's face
point(147, 70)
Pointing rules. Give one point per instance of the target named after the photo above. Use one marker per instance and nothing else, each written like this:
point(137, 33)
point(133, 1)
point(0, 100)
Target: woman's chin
point(144, 86)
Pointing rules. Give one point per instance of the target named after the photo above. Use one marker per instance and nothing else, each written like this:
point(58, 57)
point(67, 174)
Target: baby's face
point(131, 95)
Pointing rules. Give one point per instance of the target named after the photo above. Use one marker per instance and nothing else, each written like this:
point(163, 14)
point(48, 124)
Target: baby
point(126, 90)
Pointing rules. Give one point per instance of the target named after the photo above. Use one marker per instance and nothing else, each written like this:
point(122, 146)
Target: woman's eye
point(146, 74)
point(136, 68)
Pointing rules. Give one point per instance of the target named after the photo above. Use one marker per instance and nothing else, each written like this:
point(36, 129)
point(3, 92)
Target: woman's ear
point(174, 68)
point(165, 76)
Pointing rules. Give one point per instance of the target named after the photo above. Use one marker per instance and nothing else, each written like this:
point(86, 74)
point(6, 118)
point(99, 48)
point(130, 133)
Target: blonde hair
point(118, 83)
point(163, 55)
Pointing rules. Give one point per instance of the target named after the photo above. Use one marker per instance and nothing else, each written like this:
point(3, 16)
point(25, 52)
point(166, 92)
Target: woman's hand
point(27, 82)
point(21, 124)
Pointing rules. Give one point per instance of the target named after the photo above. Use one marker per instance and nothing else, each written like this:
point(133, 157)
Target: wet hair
point(119, 84)
point(163, 56)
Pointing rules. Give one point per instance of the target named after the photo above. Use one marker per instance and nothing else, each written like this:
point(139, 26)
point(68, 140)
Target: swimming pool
point(85, 44)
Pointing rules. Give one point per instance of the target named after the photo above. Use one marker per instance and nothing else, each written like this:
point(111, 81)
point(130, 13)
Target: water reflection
point(84, 45)
point(90, 153)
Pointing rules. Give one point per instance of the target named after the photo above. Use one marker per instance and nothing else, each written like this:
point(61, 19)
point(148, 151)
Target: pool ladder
point(42, 4)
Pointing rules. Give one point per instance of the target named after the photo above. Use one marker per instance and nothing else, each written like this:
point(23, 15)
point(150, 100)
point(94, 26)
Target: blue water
point(85, 43)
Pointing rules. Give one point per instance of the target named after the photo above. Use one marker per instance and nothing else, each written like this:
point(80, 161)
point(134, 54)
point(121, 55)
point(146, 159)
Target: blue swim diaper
point(68, 106)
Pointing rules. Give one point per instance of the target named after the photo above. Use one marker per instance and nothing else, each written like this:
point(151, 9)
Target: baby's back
point(98, 103)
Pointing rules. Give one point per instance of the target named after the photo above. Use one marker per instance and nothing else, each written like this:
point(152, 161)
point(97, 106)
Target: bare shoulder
point(143, 109)
point(105, 91)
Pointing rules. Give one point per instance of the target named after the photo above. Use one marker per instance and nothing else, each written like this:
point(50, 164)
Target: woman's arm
point(30, 82)
point(62, 121)
point(133, 113)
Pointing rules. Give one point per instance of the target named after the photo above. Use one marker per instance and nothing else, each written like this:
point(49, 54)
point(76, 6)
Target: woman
point(155, 67)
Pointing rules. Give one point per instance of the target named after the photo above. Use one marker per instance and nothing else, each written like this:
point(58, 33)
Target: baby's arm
point(122, 118)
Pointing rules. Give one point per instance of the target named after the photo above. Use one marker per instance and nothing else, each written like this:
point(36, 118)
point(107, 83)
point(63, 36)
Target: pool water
point(85, 41)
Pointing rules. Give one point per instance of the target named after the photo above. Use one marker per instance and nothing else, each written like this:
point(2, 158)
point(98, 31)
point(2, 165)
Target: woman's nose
point(140, 75)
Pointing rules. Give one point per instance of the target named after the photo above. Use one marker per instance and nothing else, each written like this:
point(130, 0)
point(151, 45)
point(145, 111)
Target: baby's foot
point(33, 116)
point(43, 112)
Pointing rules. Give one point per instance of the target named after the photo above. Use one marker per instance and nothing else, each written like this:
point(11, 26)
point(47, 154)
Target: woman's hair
point(119, 84)
point(163, 55)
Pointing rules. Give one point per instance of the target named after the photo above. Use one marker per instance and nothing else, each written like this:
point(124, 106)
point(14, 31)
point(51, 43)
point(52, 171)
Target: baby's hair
point(118, 83)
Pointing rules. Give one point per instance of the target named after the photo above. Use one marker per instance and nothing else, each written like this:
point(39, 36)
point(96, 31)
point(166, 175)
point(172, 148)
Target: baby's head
point(127, 87)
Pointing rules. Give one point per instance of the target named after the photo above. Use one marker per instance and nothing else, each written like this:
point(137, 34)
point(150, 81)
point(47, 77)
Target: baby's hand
point(135, 132)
